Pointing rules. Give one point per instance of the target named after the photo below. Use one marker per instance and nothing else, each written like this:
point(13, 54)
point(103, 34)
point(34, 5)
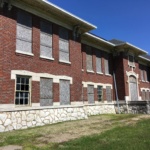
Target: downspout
point(114, 77)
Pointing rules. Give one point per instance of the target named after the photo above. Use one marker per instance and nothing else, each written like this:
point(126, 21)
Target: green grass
point(131, 137)
point(103, 132)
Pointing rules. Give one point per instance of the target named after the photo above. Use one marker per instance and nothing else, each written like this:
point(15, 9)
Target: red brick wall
point(10, 60)
point(94, 77)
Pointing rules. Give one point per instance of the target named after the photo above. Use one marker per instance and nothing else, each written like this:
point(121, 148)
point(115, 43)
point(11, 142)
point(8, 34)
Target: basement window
point(22, 90)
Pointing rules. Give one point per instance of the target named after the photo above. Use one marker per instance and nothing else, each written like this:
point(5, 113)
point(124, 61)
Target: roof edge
point(72, 15)
point(94, 36)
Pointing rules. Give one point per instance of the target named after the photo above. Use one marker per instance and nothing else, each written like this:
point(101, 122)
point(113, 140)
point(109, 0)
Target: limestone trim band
point(85, 84)
point(37, 76)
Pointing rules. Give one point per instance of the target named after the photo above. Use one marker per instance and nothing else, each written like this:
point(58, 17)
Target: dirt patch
point(11, 147)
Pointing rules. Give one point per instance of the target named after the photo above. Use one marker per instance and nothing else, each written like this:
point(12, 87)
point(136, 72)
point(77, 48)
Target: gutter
point(126, 43)
point(70, 14)
point(98, 38)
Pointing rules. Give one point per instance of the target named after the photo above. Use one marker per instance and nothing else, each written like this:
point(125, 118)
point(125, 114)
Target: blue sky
point(127, 20)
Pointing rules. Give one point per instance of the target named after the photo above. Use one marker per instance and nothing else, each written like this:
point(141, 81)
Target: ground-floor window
point(90, 94)
point(64, 92)
point(100, 93)
point(143, 95)
point(108, 93)
point(46, 92)
point(22, 90)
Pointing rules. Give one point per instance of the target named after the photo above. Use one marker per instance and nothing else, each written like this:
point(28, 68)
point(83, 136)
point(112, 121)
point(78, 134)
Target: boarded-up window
point(142, 75)
point(63, 45)
point(131, 61)
point(143, 95)
point(108, 93)
point(64, 92)
point(147, 95)
point(46, 92)
point(46, 39)
point(90, 94)
point(89, 60)
point(98, 62)
point(146, 74)
point(107, 69)
point(24, 32)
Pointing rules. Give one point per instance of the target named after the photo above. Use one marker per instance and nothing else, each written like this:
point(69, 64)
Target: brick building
point(49, 58)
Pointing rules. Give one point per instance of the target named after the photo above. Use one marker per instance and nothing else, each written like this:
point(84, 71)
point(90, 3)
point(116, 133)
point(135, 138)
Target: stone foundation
point(23, 118)
point(134, 107)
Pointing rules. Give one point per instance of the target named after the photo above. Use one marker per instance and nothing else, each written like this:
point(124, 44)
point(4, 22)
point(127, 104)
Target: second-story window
point(46, 40)
point(24, 33)
point(63, 45)
point(98, 62)
point(131, 61)
point(107, 69)
point(89, 59)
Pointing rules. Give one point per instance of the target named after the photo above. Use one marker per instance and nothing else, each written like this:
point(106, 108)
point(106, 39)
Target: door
point(133, 88)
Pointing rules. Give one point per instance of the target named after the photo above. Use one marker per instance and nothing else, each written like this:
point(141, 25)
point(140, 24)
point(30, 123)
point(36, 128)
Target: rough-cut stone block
point(3, 117)
point(7, 122)
point(2, 128)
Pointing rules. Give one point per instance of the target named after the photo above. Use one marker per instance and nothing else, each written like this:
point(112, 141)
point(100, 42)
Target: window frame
point(21, 39)
point(131, 64)
point(50, 35)
point(29, 91)
point(64, 50)
point(89, 51)
point(99, 57)
point(107, 59)
point(100, 94)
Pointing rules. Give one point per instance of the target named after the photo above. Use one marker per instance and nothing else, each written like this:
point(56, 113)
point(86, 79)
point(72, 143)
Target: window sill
point(24, 53)
point(66, 62)
point(108, 75)
point(90, 71)
point(46, 58)
point(99, 72)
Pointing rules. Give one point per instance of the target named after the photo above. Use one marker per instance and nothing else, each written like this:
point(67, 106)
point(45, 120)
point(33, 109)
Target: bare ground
point(62, 132)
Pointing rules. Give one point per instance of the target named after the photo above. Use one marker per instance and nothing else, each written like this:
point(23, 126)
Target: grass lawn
point(104, 132)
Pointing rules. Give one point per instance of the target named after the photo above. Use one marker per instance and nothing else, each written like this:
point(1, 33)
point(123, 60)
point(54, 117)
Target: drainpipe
point(114, 76)
point(116, 91)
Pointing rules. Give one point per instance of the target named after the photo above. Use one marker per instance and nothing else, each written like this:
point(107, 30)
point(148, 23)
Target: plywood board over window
point(64, 92)
point(46, 39)
point(108, 94)
point(98, 62)
point(63, 44)
point(24, 32)
point(89, 59)
point(90, 94)
point(107, 69)
point(46, 92)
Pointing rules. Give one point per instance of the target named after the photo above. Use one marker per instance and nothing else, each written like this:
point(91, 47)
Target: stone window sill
point(99, 73)
point(46, 58)
point(66, 62)
point(108, 75)
point(90, 71)
point(24, 53)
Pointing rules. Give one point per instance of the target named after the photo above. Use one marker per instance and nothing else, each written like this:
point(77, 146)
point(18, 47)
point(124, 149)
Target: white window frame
point(29, 91)
point(100, 94)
